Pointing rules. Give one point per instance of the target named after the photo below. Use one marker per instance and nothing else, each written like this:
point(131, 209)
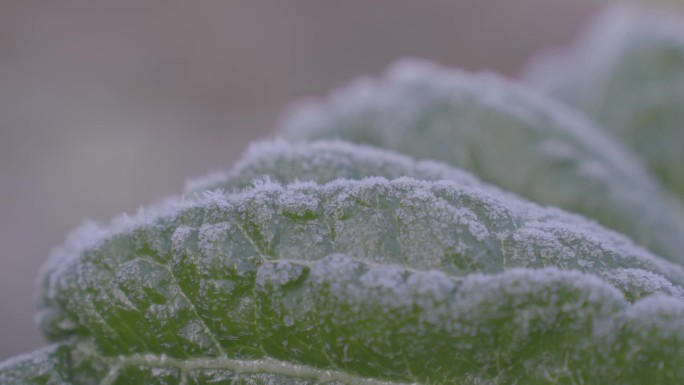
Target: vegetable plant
point(431, 227)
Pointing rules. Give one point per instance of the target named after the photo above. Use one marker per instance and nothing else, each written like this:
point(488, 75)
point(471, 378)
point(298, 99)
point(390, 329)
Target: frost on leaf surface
point(507, 135)
point(323, 161)
point(627, 71)
point(360, 282)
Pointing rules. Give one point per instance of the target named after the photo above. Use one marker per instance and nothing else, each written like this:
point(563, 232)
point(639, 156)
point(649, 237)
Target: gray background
point(109, 105)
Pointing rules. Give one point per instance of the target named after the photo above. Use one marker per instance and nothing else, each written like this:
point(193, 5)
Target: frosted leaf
point(507, 135)
point(627, 71)
point(47, 366)
point(498, 329)
point(312, 284)
point(57, 364)
point(323, 161)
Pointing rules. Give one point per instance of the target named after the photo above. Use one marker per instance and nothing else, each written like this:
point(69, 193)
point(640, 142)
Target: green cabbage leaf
point(370, 281)
point(627, 72)
point(507, 135)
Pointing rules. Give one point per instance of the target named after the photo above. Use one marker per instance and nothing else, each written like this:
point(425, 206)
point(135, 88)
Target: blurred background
point(109, 105)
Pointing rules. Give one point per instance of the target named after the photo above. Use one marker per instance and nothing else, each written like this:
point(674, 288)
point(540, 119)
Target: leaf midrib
point(265, 365)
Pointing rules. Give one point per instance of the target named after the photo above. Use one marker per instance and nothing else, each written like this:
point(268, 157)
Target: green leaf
point(46, 366)
point(57, 364)
point(506, 135)
point(627, 71)
point(358, 282)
